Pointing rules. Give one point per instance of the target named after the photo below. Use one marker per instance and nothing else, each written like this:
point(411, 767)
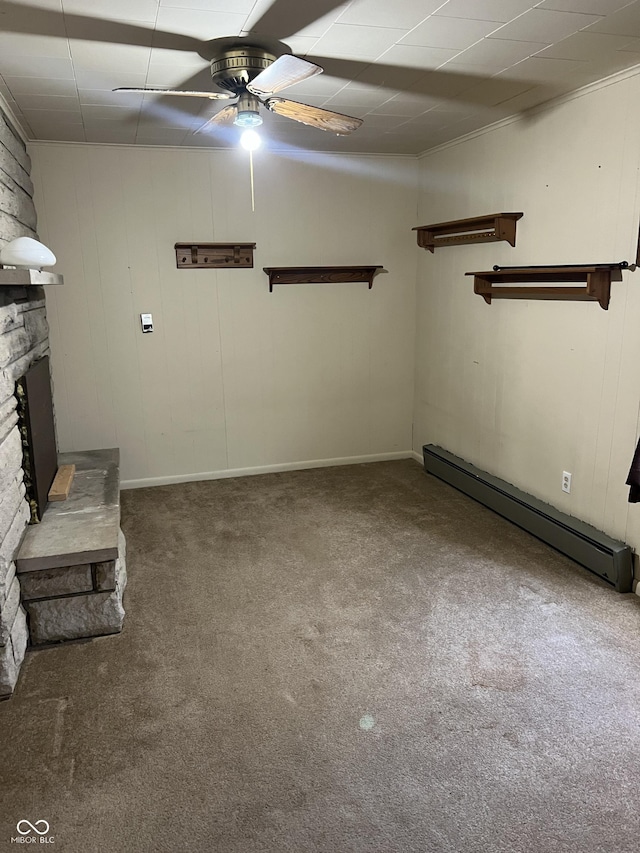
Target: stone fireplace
point(78, 591)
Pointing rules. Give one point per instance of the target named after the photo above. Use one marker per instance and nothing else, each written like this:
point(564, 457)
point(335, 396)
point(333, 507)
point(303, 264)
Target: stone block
point(8, 612)
point(19, 367)
point(9, 506)
point(8, 671)
point(13, 345)
point(78, 616)
point(35, 323)
point(10, 317)
point(7, 574)
point(9, 545)
point(11, 452)
point(105, 575)
point(55, 582)
point(12, 654)
point(19, 636)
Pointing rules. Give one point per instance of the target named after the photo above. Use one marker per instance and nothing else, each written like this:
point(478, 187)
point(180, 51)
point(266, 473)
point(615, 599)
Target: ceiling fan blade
point(225, 116)
point(314, 116)
point(287, 17)
point(34, 20)
point(214, 96)
point(286, 71)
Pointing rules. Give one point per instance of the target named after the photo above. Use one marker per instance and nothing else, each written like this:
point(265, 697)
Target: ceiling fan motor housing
point(234, 68)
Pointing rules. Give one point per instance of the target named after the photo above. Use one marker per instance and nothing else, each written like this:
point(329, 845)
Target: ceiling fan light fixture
point(248, 118)
point(250, 140)
point(248, 111)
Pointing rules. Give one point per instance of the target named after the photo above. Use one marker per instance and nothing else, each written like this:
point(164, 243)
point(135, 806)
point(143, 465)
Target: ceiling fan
point(253, 75)
point(254, 66)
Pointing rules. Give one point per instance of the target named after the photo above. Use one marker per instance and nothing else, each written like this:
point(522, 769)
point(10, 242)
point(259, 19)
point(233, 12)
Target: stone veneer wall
point(24, 338)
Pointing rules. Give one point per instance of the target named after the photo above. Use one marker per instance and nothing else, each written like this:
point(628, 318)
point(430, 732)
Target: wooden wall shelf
point(11, 277)
point(214, 255)
point(479, 229)
point(321, 275)
point(596, 278)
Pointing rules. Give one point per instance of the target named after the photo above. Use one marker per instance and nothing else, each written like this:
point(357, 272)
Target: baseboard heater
point(606, 557)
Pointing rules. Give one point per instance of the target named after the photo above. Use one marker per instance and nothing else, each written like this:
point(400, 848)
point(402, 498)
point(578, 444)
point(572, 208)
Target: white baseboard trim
point(266, 469)
point(417, 456)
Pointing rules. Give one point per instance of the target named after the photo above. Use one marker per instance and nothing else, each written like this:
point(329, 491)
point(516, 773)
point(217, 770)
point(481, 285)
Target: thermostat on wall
point(146, 321)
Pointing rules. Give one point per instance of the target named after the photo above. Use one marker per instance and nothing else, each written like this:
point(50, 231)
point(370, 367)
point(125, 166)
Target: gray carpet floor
point(345, 660)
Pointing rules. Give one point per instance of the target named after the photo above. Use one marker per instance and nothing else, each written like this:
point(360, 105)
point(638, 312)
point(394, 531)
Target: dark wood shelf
point(214, 255)
point(321, 275)
point(494, 284)
point(479, 229)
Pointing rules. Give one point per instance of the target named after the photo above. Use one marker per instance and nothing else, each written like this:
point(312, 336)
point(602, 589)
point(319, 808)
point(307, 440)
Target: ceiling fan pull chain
point(253, 200)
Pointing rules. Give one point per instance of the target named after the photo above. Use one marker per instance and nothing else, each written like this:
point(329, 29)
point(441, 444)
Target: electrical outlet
point(566, 481)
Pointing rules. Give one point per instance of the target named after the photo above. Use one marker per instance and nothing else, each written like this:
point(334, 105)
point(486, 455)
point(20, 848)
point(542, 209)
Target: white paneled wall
point(527, 389)
point(233, 377)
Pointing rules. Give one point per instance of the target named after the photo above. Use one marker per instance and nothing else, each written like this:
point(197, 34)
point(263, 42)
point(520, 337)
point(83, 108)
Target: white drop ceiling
point(419, 72)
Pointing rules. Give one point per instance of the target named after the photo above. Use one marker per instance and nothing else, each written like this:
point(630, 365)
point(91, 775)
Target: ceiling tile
point(587, 46)
point(381, 121)
point(404, 105)
point(239, 6)
point(382, 13)
point(446, 84)
point(126, 10)
point(315, 29)
point(48, 102)
point(322, 85)
point(301, 45)
point(486, 10)
point(16, 66)
point(114, 135)
point(108, 98)
point(17, 18)
point(113, 58)
point(102, 112)
point(538, 25)
point(103, 79)
point(362, 97)
point(33, 46)
point(438, 31)
point(40, 86)
point(358, 42)
point(417, 57)
point(92, 31)
point(491, 51)
point(544, 70)
point(587, 7)
point(166, 136)
point(176, 77)
point(59, 132)
point(55, 116)
point(198, 23)
point(497, 90)
point(624, 22)
point(390, 77)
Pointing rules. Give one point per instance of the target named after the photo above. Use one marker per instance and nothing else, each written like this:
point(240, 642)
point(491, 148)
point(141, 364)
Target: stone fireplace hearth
point(71, 566)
